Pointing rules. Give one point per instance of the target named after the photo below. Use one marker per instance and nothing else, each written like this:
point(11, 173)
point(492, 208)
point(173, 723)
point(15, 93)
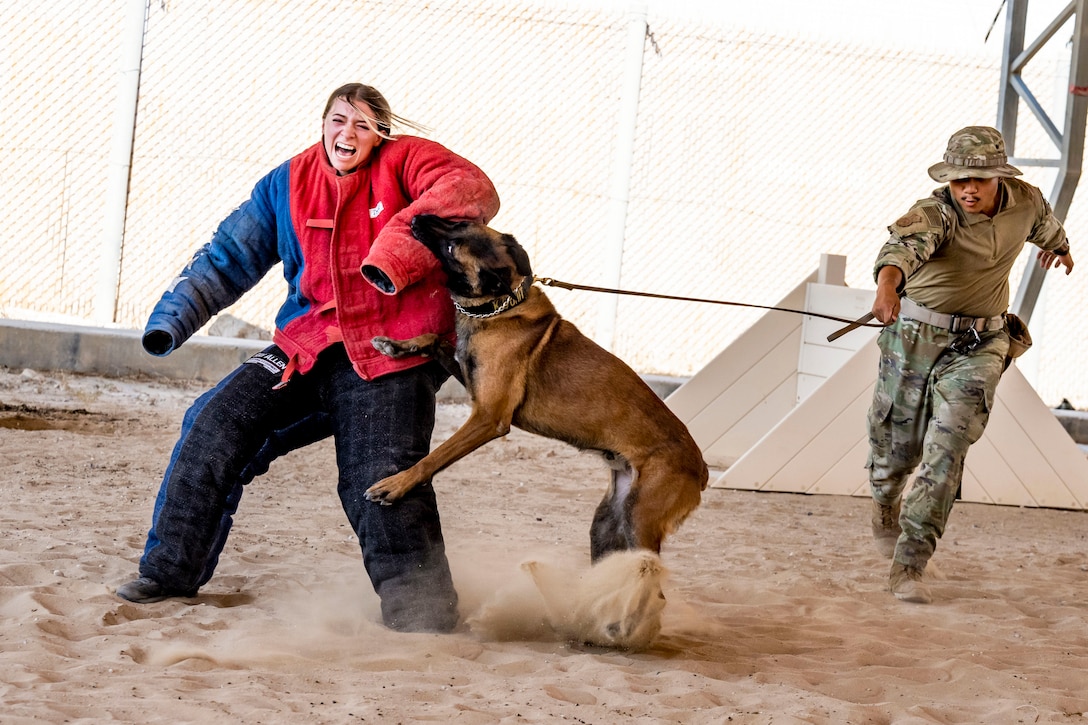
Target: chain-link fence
point(753, 153)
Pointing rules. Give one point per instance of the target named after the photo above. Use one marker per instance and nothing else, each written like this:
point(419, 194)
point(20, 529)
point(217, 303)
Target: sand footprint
point(566, 694)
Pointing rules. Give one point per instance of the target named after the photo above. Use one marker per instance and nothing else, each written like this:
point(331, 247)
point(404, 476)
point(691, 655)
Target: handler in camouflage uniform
point(944, 346)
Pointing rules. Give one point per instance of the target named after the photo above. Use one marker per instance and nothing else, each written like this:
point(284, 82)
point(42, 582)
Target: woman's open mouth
point(343, 151)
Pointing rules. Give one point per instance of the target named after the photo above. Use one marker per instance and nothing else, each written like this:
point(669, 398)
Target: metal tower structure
point(1068, 139)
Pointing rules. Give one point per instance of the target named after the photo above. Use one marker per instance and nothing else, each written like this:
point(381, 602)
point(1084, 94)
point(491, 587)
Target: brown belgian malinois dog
point(523, 365)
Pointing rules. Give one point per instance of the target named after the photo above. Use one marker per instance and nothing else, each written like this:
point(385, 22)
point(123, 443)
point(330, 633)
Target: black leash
point(852, 324)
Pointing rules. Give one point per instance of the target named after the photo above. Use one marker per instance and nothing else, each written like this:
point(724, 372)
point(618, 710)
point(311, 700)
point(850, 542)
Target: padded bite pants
point(380, 427)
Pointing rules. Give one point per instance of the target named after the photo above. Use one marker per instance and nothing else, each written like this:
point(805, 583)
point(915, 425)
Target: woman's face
point(348, 138)
point(978, 196)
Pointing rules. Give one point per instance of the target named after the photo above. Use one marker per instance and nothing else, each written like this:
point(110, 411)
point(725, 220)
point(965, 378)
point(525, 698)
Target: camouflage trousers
point(929, 405)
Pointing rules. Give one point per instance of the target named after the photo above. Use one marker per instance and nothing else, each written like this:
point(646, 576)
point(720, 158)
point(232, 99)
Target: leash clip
point(966, 342)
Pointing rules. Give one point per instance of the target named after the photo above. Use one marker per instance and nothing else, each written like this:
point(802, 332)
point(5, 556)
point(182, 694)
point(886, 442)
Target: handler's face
point(348, 138)
point(978, 196)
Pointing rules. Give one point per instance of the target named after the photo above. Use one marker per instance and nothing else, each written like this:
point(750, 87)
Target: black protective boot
point(146, 591)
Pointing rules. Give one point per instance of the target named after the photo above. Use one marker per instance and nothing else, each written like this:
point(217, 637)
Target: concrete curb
point(117, 353)
point(1075, 423)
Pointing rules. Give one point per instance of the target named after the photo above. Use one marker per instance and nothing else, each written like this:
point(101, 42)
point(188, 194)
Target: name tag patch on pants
point(270, 361)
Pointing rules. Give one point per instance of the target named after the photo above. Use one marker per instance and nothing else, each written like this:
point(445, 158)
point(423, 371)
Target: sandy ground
point(777, 610)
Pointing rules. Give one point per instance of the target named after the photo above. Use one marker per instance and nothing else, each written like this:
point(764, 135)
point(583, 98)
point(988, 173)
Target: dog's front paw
point(388, 490)
point(377, 494)
point(423, 345)
point(388, 347)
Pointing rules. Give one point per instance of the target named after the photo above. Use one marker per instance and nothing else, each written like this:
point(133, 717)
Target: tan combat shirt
point(958, 262)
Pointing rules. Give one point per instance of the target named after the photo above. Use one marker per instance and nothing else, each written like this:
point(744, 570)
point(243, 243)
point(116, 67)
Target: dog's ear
point(495, 282)
point(518, 254)
point(431, 227)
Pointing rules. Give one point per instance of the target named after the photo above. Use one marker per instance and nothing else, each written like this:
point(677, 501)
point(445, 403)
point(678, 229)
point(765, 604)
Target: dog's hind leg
point(664, 495)
point(611, 528)
point(645, 503)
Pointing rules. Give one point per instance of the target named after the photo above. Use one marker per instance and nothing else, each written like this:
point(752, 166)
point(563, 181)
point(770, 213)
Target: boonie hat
point(975, 152)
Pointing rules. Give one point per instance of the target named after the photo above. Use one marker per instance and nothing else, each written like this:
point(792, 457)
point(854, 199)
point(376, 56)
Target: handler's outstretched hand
point(886, 304)
point(1049, 259)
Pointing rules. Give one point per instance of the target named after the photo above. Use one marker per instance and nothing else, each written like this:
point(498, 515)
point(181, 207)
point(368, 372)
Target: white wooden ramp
point(757, 380)
point(744, 391)
point(822, 393)
point(1025, 457)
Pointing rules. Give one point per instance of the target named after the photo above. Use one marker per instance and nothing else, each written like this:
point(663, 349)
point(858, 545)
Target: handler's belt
point(952, 323)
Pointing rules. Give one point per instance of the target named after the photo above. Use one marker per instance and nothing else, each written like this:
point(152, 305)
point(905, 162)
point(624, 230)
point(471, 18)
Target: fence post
point(622, 161)
point(120, 161)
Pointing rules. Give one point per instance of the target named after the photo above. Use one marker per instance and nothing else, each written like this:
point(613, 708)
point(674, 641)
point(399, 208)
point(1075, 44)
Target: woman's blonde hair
point(356, 94)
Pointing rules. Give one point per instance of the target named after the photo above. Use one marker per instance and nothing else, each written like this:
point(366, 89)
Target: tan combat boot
point(886, 527)
point(906, 584)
